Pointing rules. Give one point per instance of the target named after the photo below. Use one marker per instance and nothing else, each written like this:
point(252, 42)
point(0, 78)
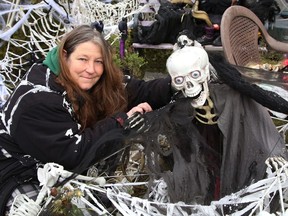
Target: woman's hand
point(141, 108)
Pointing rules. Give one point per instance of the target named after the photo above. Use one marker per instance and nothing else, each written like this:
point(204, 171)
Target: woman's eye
point(179, 79)
point(99, 62)
point(195, 74)
point(82, 59)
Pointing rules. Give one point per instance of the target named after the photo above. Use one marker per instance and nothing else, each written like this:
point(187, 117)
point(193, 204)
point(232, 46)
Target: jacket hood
point(52, 61)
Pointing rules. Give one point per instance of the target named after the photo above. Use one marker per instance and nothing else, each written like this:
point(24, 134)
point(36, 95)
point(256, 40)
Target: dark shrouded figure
point(123, 28)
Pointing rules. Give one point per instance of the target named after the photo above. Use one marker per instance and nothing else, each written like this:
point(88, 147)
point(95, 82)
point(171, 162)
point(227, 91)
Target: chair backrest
point(240, 29)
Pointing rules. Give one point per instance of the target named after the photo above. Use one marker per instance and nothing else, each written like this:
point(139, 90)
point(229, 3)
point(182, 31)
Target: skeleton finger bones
point(136, 122)
point(275, 163)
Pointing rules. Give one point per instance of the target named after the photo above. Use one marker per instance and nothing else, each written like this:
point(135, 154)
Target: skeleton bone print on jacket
point(37, 87)
point(50, 131)
point(38, 125)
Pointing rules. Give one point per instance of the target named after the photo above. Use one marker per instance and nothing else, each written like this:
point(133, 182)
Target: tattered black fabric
point(191, 157)
point(249, 138)
point(15, 171)
point(169, 21)
point(231, 75)
point(265, 10)
point(176, 152)
point(188, 169)
point(214, 6)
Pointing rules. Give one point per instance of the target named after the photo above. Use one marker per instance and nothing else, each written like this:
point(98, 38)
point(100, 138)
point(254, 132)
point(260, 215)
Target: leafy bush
point(132, 63)
point(156, 59)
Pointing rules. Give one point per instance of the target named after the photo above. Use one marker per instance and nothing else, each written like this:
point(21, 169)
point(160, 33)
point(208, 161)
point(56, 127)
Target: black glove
point(136, 123)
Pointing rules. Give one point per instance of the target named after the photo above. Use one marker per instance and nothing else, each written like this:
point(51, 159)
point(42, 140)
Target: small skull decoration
point(189, 70)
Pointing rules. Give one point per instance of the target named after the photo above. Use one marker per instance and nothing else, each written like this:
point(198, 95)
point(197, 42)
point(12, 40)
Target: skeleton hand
point(275, 163)
point(136, 122)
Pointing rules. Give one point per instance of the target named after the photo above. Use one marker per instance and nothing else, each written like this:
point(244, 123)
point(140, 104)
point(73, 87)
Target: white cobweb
point(252, 200)
point(44, 23)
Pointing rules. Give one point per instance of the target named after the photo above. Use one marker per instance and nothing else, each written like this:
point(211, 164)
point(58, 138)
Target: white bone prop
point(189, 70)
point(183, 40)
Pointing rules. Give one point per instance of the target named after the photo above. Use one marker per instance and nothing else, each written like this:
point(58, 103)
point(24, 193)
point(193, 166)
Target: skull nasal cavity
point(190, 85)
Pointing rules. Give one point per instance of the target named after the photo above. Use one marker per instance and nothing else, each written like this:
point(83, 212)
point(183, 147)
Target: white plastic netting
point(130, 194)
point(84, 193)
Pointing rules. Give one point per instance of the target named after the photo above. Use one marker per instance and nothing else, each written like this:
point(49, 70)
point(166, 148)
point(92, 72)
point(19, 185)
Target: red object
point(285, 78)
point(285, 62)
point(120, 121)
point(217, 188)
point(216, 27)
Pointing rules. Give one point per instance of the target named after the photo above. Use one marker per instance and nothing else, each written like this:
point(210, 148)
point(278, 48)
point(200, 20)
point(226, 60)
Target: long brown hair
point(107, 96)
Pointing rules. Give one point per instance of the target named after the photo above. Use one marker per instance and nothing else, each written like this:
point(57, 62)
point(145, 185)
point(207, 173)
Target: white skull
point(189, 70)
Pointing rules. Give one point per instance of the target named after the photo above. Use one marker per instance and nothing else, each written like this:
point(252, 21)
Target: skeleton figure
point(227, 121)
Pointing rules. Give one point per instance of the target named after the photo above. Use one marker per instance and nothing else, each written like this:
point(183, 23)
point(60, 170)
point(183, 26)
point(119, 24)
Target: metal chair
point(240, 29)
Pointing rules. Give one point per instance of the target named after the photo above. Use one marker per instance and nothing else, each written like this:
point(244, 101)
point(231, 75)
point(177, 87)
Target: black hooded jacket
point(38, 120)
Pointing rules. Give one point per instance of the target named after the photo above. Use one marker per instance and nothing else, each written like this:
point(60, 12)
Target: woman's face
point(86, 65)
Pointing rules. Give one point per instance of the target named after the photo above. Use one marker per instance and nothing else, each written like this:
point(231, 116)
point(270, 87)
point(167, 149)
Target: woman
point(65, 105)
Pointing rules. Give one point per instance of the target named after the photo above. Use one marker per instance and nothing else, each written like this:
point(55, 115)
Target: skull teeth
point(196, 96)
point(193, 94)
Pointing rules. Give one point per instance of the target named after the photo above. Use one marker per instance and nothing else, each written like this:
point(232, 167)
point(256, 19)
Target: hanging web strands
point(253, 200)
point(42, 25)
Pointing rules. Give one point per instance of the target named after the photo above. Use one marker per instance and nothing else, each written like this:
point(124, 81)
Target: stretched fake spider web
point(43, 24)
point(252, 200)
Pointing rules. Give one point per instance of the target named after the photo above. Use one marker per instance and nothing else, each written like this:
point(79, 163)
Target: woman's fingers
point(145, 107)
point(141, 108)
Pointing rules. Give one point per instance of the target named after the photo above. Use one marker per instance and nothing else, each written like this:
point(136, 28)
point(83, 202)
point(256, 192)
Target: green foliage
point(279, 123)
point(3, 50)
point(36, 1)
point(132, 63)
point(271, 57)
point(61, 204)
point(137, 62)
point(156, 59)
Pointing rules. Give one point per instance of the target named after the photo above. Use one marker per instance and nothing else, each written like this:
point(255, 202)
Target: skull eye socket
point(195, 74)
point(179, 80)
